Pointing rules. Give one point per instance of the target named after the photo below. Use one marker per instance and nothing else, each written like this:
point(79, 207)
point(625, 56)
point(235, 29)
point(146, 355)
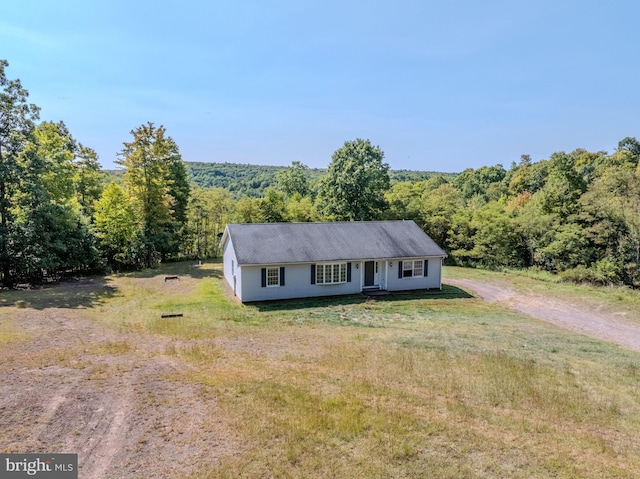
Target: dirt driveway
point(71, 385)
point(611, 327)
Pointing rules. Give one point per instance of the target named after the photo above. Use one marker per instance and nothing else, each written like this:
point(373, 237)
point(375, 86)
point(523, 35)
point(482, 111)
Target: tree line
point(253, 180)
point(58, 215)
point(575, 214)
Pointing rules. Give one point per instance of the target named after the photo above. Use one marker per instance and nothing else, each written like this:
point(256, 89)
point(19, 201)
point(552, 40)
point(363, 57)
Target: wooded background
point(576, 214)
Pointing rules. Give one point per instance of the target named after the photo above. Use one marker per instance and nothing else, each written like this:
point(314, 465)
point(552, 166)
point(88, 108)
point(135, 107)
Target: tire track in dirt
point(50, 409)
point(109, 433)
point(610, 327)
point(116, 399)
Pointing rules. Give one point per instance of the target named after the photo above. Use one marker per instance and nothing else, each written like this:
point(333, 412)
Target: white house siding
point(231, 269)
point(432, 280)
point(297, 284)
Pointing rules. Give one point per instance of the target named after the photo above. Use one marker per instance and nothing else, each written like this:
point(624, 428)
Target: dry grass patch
point(423, 385)
point(9, 332)
point(370, 409)
point(449, 387)
point(116, 347)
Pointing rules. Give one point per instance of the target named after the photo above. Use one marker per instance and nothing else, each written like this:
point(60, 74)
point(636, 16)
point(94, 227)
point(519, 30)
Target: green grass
point(428, 384)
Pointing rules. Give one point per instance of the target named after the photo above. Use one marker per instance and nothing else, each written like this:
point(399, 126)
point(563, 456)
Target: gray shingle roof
point(283, 243)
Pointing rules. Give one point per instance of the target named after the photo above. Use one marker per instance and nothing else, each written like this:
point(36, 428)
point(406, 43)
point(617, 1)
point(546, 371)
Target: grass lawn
point(436, 384)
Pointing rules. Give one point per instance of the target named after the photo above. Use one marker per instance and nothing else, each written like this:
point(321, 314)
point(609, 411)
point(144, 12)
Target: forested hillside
point(253, 180)
point(575, 214)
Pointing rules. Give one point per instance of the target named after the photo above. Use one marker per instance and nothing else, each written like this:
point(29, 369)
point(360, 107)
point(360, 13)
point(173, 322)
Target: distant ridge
point(252, 180)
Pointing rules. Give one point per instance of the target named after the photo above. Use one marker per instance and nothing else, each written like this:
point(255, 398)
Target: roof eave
point(225, 237)
point(344, 260)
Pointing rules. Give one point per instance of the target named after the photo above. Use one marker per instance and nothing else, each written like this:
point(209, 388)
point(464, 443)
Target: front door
point(369, 273)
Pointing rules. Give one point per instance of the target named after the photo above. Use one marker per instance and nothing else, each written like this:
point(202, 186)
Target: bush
point(601, 273)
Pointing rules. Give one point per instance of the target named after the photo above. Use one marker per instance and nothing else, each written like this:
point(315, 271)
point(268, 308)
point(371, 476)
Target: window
point(413, 269)
point(273, 276)
point(417, 268)
point(332, 273)
point(319, 274)
point(407, 269)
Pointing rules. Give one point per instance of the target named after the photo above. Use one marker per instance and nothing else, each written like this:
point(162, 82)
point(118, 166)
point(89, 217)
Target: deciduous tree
point(116, 228)
point(293, 180)
point(17, 119)
point(155, 177)
point(300, 209)
point(353, 188)
point(437, 208)
point(88, 178)
point(273, 206)
point(54, 231)
point(208, 213)
point(248, 210)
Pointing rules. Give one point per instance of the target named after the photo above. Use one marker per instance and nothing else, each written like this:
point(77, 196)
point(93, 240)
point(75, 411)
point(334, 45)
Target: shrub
point(601, 273)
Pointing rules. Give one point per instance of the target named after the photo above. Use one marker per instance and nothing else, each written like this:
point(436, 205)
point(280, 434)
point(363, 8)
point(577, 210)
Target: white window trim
point(413, 262)
point(342, 272)
point(277, 269)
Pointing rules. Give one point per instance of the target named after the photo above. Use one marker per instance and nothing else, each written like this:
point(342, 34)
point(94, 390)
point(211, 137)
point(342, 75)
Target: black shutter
point(399, 269)
point(313, 274)
point(281, 275)
point(348, 272)
point(426, 267)
point(263, 275)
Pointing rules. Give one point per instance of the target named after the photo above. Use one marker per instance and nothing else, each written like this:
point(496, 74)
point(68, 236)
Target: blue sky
point(443, 85)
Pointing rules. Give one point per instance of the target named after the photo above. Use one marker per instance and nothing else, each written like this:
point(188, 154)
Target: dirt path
point(115, 399)
point(614, 328)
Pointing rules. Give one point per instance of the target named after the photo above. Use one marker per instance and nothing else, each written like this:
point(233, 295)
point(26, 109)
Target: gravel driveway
point(612, 327)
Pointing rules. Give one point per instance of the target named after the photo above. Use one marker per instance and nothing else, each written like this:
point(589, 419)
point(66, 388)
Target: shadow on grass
point(89, 292)
point(86, 292)
point(191, 269)
point(448, 292)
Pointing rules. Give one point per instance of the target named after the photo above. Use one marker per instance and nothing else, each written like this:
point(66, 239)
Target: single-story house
point(296, 260)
